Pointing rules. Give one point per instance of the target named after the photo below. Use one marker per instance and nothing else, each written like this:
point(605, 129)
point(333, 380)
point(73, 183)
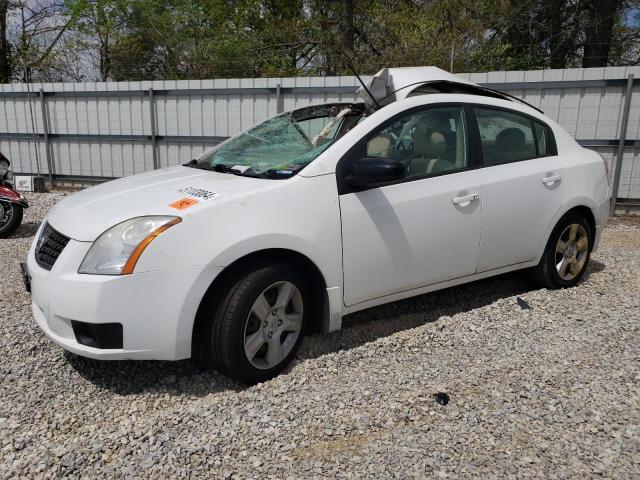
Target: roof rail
point(510, 97)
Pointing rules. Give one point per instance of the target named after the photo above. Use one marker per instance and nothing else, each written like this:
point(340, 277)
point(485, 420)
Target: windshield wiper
point(218, 167)
point(222, 168)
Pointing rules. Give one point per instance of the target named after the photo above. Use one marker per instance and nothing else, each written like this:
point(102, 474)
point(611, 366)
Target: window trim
point(472, 147)
point(552, 139)
point(473, 144)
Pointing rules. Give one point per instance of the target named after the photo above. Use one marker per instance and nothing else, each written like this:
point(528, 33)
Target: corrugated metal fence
point(104, 130)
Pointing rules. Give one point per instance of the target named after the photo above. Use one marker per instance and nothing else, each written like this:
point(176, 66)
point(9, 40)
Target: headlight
point(117, 250)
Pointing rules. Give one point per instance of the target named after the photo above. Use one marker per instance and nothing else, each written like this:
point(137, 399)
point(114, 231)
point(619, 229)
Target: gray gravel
point(548, 391)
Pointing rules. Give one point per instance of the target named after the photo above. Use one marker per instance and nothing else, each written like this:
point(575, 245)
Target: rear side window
point(544, 140)
point(510, 137)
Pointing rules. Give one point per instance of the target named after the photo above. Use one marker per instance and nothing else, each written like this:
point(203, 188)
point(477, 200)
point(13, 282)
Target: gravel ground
point(548, 391)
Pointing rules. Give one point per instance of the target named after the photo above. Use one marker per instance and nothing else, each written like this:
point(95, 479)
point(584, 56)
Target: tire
point(10, 218)
point(238, 324)
point(566, 255)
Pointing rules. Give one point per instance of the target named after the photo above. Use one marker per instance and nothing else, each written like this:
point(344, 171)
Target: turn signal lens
point(135, 255)
point(118, 249)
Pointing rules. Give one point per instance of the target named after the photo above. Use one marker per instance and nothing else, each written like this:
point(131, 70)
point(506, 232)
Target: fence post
point(279, 102)
point(45, 129)
point(154, 140)
point(620, 153)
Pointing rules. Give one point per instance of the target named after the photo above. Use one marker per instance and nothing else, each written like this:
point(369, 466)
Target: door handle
point(551, 179)
point(465, 199)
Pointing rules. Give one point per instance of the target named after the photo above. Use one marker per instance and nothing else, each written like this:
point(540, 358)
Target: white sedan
point(316, 213)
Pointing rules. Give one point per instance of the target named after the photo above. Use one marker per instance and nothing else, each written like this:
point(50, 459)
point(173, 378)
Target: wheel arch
point(235, 270)
point(588, 215)
point(584, 207)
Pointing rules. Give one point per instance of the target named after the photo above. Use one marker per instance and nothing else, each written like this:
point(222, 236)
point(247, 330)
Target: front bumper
point(156, 309)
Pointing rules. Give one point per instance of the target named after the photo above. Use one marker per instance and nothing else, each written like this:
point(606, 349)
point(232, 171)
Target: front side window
point(426, 142)
point(282, 145)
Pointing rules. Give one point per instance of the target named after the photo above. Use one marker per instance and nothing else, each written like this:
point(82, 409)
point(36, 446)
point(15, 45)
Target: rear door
point(522, 186)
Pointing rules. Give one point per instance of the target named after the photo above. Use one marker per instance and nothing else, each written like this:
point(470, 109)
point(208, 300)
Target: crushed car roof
point(392, 84)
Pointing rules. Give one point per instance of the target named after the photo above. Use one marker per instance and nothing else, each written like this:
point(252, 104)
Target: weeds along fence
point(91, 132)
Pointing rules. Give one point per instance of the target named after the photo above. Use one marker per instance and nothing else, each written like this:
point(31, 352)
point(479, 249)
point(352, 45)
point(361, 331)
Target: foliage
point(76, 40)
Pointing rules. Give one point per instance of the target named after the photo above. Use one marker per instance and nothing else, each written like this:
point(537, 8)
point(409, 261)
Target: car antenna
point(353, 70)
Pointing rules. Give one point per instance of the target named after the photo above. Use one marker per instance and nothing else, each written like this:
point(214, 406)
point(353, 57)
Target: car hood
point(178, 191)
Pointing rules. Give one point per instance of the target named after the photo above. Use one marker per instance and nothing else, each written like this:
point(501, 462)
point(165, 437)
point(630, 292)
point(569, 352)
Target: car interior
point(433, 141)
point(425, 142)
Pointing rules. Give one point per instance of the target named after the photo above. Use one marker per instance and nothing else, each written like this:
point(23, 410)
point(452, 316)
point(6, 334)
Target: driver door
point(423, 229)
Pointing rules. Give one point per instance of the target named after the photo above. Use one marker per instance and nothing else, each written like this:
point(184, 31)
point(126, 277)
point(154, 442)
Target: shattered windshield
point(282, 145)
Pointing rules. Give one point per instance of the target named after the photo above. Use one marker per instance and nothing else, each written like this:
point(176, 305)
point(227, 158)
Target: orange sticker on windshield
point(183, 203)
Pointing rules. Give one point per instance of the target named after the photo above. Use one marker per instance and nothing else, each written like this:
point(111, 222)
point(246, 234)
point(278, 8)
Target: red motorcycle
point(12, 204)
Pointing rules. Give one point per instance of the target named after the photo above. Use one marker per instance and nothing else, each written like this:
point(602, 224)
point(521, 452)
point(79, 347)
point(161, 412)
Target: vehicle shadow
point(378, 322)
point(127, 377)
point(188, 378)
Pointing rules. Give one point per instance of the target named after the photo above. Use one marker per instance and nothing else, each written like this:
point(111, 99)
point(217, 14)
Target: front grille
point(49, 247)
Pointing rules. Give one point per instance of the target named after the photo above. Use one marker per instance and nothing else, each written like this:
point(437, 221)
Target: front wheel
point(10, 218)
point(255, 330)
point(567, 253)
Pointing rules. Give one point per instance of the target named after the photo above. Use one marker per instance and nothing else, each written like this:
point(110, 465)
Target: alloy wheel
point(273, 325)
point(571, 251)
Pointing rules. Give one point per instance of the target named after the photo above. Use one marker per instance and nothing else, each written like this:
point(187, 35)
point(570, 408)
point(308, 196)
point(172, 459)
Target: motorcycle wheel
point(10, 218)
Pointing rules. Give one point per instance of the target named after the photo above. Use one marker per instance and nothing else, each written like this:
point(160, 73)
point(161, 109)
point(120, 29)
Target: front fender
point(327, 267)
point(240, 250)
point(8, 194)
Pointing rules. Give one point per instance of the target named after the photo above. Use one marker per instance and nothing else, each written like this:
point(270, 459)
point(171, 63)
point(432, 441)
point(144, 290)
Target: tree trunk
point(516, 31)
point(346, 25)
point(347, 32)
point(558, 44)
point(105, 59)
point(5, 67)
point(601, 15)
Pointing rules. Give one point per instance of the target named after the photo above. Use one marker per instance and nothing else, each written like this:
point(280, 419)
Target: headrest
point(432, 145)
point(510, 138)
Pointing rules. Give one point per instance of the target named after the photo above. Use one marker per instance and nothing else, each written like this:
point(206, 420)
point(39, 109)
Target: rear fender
point(575, 202)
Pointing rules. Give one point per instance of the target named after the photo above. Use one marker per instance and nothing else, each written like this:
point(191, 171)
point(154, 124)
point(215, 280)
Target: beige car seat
point(436, 148)
point(427, 152)
point(380, 146)
point(429, 147)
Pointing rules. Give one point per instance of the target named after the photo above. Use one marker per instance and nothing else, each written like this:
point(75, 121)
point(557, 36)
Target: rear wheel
point(10, 218)
point(255, 330)
point(567, 253)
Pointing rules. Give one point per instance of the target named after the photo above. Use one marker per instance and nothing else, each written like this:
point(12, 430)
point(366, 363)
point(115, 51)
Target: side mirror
point(371, 171)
